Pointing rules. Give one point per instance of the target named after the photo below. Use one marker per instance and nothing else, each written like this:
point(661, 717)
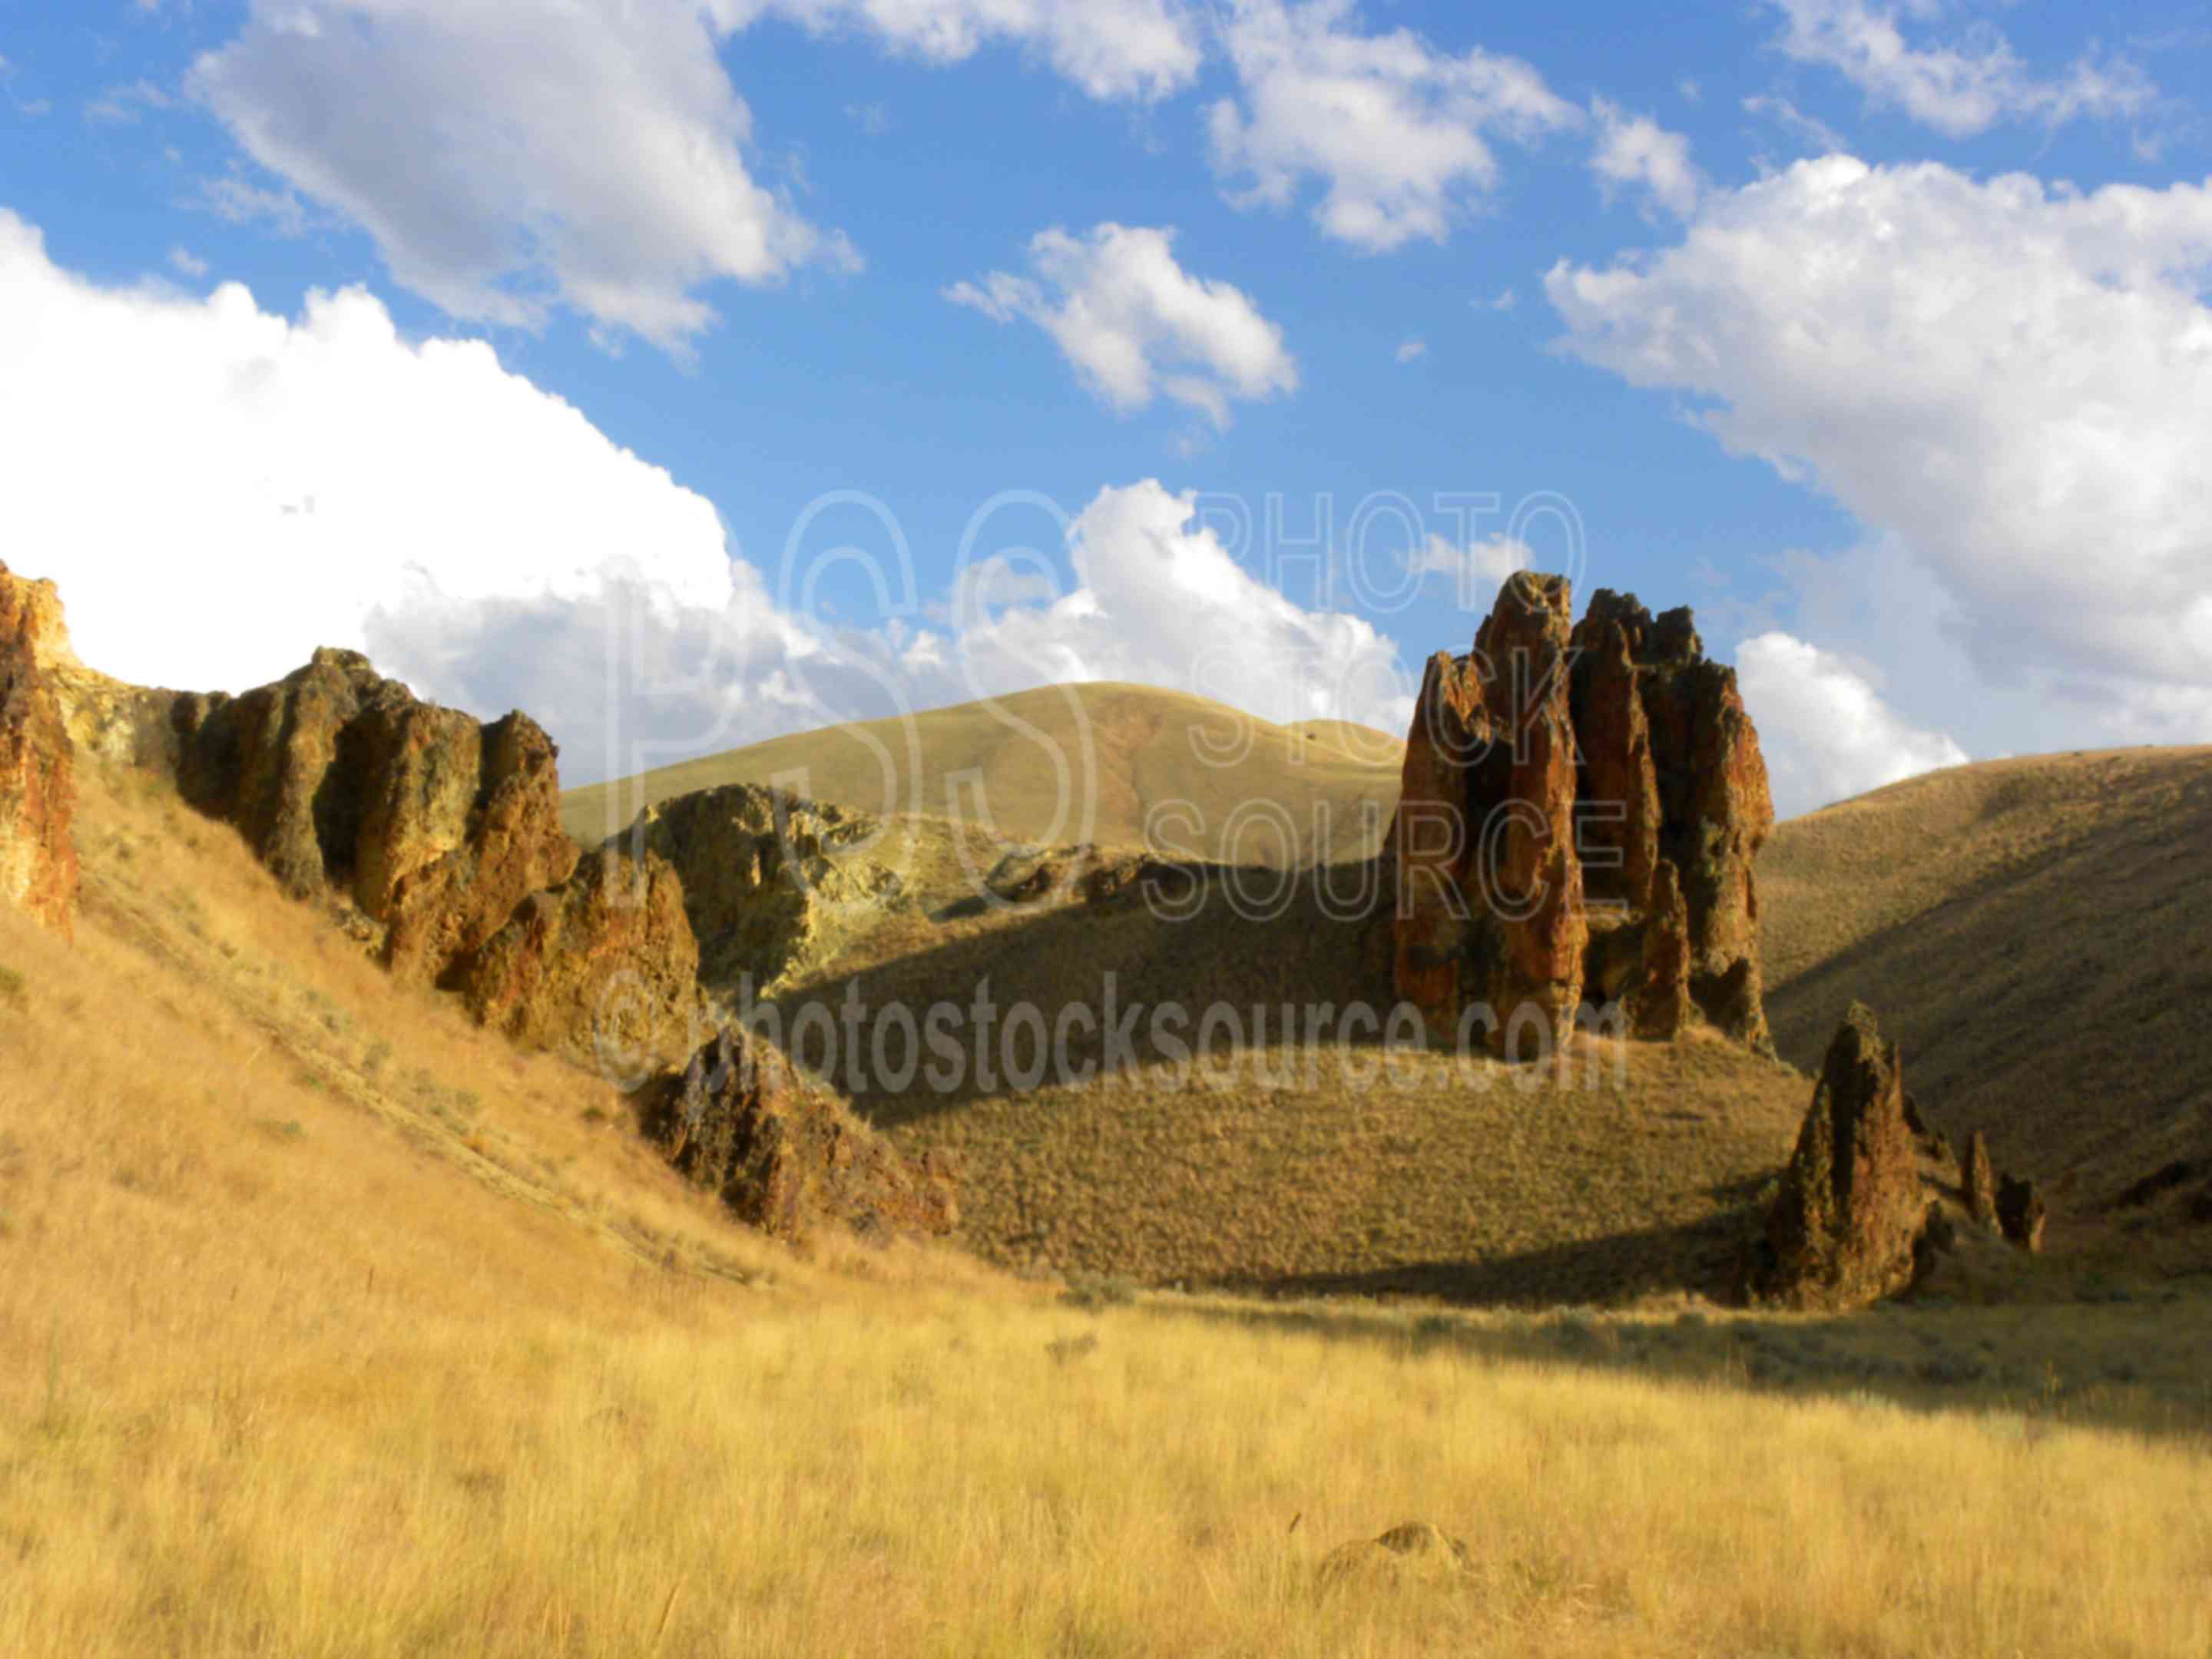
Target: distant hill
point(1068, 763)
point(2038, 933)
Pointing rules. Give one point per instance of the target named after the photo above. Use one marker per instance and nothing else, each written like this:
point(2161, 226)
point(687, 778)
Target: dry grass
point(307, 1354)
point(2027, 930)
point(1068, 763)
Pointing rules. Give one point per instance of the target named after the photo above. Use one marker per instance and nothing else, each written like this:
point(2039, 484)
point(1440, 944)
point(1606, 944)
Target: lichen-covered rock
point(2021, 1213)
point(441, 909)
point(1847, 1224)
point(786, 1155)
point(772, 882)
point(38, 762)
point(603, 969)
point(1979, 1180)
point(1489, 894)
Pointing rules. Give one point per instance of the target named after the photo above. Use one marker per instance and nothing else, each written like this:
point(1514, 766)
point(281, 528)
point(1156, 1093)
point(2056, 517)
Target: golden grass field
point(334, 1327)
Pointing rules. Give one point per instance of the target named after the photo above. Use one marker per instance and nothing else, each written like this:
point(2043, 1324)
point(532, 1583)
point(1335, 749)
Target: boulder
point(1846, 1227)
point(1413, 1552)
point(38, 761)
point(1489, 883)
point(2021, 1213)
point(772, 882)
point(785, 1154)
point(1572, 766)
point(603, 969)
point(1977, 1180)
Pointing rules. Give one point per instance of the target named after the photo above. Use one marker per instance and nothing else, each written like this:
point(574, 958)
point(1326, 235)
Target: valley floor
point(330, 1326)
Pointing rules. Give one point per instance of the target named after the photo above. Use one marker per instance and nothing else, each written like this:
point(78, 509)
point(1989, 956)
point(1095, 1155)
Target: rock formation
point(1847, 1226)
point(772, 882)
point(2021, 1213)
point(1490, 917)
point(602, 967)
point(439, 835)
point(37, 776)
point(1578, 818)
point(1979, 1180)
point(786, 1155)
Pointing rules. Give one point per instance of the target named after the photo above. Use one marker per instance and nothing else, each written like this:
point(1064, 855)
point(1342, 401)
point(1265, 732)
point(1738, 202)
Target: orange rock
point(38, 762)
point(785, 1154)
point(603, 967)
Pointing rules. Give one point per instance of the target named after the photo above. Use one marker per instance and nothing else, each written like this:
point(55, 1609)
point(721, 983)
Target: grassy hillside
point(2032, 930)
point(1297, 1166)
point(1069, 763)
point(330, 1326)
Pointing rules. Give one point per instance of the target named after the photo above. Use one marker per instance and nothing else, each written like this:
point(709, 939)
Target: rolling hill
point(1069, 764)
point(2038, 933)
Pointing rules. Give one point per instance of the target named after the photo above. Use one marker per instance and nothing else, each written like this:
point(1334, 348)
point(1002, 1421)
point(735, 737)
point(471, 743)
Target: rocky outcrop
point(772, 882)
point(1663, 1005)
point(38, 763)
point(1979, 1180)
point(1413, 1552)
point(444, 907)
point(1490, 916)
point(785, 1154)
point(603, 969)
point(1847, 1224)
point(1551, 779)
point(1670, 754)
point(2021, 1213)
point(438, 835)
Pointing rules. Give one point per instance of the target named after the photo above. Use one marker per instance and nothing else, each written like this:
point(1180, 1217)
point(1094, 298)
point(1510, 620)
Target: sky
point(690, 372)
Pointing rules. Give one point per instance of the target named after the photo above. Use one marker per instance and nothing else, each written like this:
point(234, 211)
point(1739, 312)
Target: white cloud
point(1412, 350)
point(124, 106)
point(185, 264)
point(220, 490)
point(1504, 300)
point(1635, 150)
point(1827, 733)
point(321, 480)
point(1396, 131)
point(2012, 381)
point(1134, 324)
point(1109, 48)
point(1824, 139)
point(504, 158)
point(1959, 87)
point(1691, 91)
point(1475, 569)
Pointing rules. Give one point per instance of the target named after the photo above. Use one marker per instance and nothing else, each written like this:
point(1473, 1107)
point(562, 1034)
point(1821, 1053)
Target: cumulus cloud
point(505, 159)
point(1112, 48)
point(1397, 132)
point(1475, 569)
point(1635, 151)
point(1134, 324)
point(2013, 380)
point(223, 489)
point(1826, 732)
point(219, 491)
point(1959, 87)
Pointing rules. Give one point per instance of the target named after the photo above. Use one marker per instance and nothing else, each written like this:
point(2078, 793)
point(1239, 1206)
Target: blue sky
point(1878, 332)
